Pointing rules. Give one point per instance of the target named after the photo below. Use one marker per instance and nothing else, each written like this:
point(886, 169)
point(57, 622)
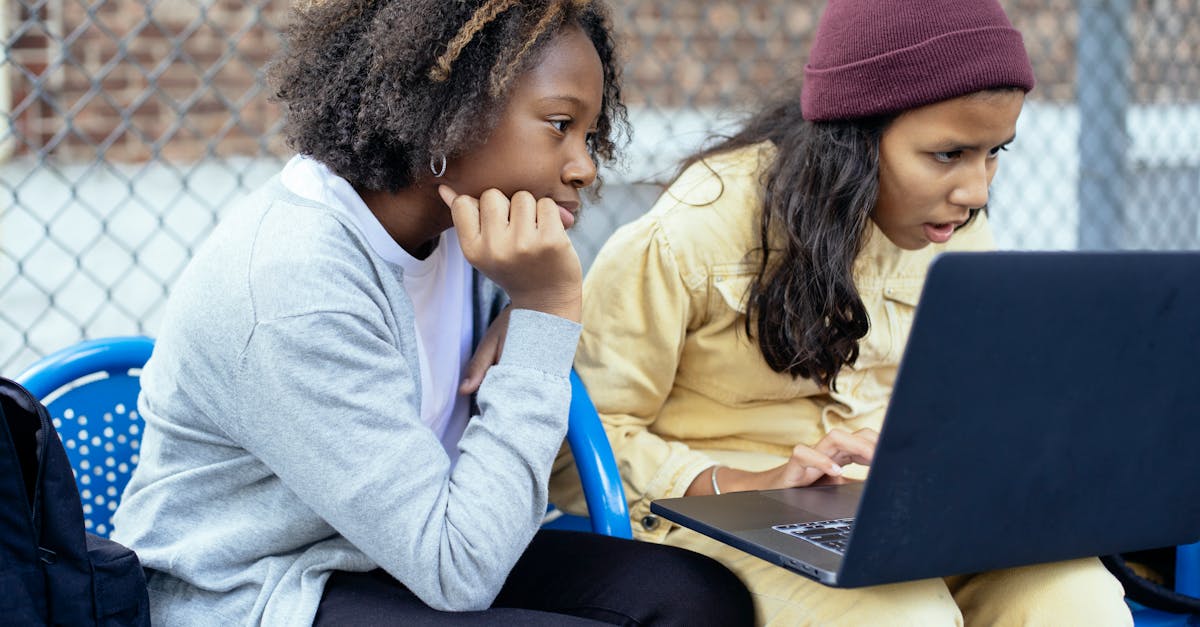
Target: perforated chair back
point(91, 391)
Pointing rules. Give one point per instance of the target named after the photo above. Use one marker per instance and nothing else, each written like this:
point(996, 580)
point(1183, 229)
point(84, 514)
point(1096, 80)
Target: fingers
point(448, 194)
point(493, 214)
point(869, 435)
point(464, 211)
point(830, 480)
point(548, 220)
point(485, 356)
point(493, 211)
point(844, 447)
point(823, 463)
point(811, 458)
point(521, 244)
point(522, 216)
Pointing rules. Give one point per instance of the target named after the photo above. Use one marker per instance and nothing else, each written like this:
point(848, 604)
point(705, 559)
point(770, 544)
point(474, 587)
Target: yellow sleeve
point(646, 291)
point(637, 307)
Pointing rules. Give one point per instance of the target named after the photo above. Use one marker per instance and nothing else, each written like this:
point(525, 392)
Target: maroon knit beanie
point(876, 57)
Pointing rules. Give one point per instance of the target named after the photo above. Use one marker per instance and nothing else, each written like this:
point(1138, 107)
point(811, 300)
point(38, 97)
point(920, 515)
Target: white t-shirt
point(438, 285)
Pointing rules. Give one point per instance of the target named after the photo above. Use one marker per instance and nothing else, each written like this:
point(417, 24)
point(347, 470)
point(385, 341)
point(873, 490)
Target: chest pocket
point(890, 310)
point(722, 362)
point(899, 304)
point(732, 286)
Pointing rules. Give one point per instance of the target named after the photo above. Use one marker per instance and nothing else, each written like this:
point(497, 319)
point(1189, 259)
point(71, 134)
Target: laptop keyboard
point(827, 534)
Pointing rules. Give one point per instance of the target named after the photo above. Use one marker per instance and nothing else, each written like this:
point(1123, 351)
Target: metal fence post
point(1103, 94)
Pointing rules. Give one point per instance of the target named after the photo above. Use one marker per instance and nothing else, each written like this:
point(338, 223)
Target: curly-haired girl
point(746, 332)
point(320, 445)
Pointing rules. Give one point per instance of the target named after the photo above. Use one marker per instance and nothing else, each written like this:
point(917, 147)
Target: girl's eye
point(947, 157)
point(560, 125)
point(995, 152)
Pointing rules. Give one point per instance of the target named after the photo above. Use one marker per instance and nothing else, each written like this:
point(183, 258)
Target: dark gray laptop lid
point(1074, 378)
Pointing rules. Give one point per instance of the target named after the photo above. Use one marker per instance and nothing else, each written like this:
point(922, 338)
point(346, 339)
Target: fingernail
point(836, 470)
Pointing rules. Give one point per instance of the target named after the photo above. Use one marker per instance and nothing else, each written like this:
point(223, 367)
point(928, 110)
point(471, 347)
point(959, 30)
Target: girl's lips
point(939, 233)
point(568, 218)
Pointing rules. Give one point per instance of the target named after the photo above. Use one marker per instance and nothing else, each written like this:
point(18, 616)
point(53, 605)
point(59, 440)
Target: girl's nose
point(971, 190)
point(580, 171)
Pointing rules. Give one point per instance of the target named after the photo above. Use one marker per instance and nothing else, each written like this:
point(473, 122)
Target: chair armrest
point(597, 467)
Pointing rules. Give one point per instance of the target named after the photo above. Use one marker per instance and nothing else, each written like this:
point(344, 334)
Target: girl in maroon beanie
point(745, 333)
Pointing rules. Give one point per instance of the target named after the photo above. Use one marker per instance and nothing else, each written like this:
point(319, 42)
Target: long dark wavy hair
point(377, 89)
point(818, 193)
point(803, 308)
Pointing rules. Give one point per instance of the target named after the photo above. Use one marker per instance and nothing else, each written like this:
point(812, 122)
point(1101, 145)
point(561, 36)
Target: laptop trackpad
point(823, 502)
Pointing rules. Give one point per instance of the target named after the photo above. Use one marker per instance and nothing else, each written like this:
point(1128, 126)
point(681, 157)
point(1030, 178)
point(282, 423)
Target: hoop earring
point(437, 172)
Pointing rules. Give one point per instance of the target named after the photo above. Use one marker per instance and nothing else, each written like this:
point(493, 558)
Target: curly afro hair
point(377, 89)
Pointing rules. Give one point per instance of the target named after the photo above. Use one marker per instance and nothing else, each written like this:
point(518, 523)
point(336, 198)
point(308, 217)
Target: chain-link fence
point(127, 127)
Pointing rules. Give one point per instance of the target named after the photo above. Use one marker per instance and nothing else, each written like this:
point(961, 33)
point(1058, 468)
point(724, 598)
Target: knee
point(1076, 592)
point(923, 603)
point(693, 589)
point(1081, 592)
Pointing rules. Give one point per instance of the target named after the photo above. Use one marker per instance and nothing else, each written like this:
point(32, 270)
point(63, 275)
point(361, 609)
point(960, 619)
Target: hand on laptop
point(819, 464)
point(824, 461)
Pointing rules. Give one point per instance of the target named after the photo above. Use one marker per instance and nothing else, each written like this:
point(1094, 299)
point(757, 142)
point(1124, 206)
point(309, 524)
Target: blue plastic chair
point(90, 390)
point(602, 490)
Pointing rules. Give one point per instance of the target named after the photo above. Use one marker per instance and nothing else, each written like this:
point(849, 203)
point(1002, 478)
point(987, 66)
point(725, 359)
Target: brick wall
point(703, 52)
point(111, 78)
point(137, 81)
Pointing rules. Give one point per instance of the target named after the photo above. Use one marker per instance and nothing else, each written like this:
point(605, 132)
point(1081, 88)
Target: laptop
point(1047, 407)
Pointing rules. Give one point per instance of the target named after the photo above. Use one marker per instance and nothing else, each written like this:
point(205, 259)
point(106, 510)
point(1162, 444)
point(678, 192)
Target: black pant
point(564, 578)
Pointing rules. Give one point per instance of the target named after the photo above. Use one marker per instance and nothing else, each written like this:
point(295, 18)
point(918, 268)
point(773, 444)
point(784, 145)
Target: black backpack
point(51, 571)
